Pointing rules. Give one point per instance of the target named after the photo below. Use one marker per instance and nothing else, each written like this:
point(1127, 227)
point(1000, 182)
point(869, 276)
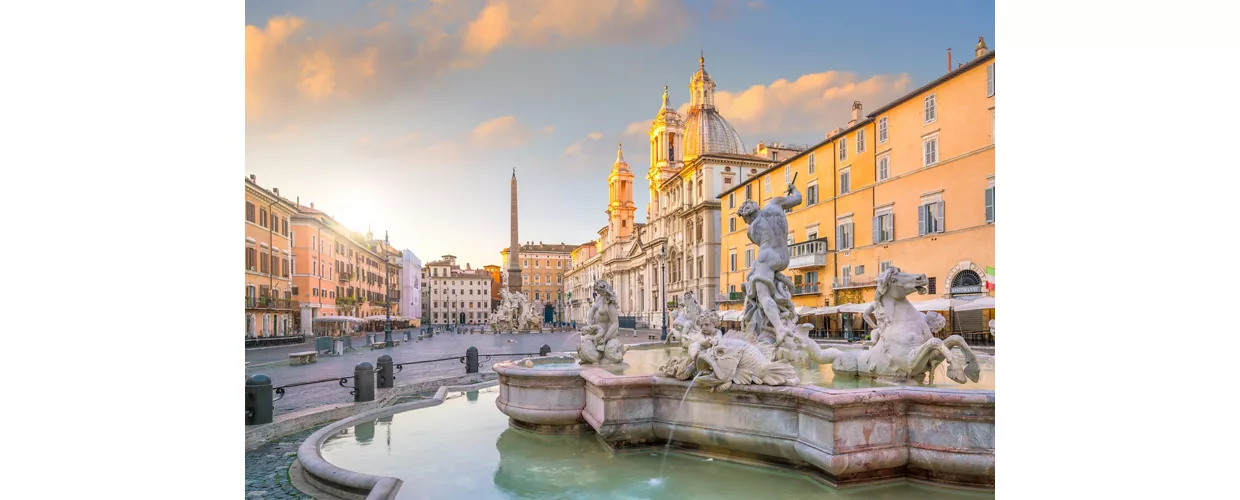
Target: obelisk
point(514, 262)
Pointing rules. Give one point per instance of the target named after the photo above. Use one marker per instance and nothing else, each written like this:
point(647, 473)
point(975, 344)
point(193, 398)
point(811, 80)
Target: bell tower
point(666, 150)
point(620, 208)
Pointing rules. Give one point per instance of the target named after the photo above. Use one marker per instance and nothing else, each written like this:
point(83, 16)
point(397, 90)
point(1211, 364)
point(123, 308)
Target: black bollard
point(363, 382)
point(544, 350)
point(258, 402)
point(385, 371)
point(471, 360)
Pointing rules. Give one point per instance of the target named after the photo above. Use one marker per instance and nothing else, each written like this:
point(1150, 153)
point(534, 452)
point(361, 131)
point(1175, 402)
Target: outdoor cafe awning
point(336, 319)
point(974, 305)
point(939, 304)
point(733, 315)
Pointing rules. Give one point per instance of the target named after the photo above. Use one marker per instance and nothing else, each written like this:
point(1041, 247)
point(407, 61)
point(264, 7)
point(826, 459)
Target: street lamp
point(387, 295)
point(663, 286)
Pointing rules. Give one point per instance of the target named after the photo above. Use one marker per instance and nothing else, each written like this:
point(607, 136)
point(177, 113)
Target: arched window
point(966, 278)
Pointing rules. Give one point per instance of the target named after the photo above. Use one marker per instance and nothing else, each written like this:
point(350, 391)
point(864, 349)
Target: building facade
point(410, 285)
point(270, 307)
point(497, 281)
point(586, 267)
point(542, 267)
point(887, 175)
point(455, 296)
point(692, 159)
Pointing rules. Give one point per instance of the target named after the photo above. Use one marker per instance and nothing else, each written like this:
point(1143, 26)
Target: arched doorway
point(548, 313)
point(462, 320)
point(967, 283)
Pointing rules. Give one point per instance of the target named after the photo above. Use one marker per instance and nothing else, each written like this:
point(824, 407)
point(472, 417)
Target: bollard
point(258, 402)
point(385, 372)
point(544, 350)
point(471, 360)
point(363, 382)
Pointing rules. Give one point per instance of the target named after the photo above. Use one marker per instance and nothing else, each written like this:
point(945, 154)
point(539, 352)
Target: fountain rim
point(322, 473)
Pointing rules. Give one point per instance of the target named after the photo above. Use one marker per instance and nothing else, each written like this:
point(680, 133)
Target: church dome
point(706, 131)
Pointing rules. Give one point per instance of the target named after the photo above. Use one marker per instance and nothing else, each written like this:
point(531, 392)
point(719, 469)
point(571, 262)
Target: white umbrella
point(974, 305)
point(939, 304)
point(803, 310)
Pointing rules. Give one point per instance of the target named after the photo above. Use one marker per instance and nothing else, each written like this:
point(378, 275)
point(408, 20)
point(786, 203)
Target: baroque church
point(693, 159)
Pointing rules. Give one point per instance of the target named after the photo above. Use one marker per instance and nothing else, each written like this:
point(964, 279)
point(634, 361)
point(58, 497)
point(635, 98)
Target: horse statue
point(904, 344)
point(686, 319)
point(598, 342)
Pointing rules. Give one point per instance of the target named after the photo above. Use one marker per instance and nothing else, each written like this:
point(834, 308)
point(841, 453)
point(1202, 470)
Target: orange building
point(496, 282)
point(542, 275)
point(875, 195)
point(269, 306)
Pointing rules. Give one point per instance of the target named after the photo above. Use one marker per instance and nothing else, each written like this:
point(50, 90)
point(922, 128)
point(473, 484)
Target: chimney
point(253, 179)
point(276, 191)
point(856, 113)
point(949, 59)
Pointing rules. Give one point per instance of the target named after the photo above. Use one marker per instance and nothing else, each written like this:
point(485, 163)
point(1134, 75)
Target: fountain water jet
point(672, 432)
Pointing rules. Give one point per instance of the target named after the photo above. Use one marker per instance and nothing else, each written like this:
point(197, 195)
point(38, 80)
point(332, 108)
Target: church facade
point(693, 159)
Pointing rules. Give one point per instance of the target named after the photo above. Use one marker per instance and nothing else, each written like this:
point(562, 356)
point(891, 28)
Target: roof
point(977, 61)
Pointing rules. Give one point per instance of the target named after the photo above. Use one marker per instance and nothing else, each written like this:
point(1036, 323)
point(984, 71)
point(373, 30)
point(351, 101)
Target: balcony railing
point(806, 289)
point(808, 254)
point(269, 303)
point(731, 297)
point(849, 282)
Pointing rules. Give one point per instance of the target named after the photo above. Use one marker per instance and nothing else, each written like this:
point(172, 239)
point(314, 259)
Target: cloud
point(505, 132)
point(298, 71)
point(585, 152)
point(816, 102)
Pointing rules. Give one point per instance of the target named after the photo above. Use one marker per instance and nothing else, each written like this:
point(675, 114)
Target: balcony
point(806, 289)
point(731, 297)
point(848, 282)
point(808, 255)
point(270, 303)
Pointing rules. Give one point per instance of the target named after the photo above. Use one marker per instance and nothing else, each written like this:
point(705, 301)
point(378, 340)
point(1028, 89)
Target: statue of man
point(768, 228)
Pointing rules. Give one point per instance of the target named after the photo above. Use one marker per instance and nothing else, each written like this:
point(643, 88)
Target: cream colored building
point(452, 295)
point(692, 160)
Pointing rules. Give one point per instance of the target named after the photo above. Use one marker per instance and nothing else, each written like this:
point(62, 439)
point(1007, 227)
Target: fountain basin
point(543, 394)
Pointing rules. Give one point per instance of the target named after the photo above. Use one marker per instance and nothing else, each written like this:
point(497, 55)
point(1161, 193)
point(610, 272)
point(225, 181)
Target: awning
point(803, 310)
point(939, 304)
point(853, 308)
point(731, 315)
point(974, 305)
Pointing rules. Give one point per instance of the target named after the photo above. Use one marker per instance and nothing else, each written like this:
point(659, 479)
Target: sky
point(410, 116)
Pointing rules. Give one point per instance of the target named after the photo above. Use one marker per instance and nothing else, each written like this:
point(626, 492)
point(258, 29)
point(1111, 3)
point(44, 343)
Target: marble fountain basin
point(844, 433)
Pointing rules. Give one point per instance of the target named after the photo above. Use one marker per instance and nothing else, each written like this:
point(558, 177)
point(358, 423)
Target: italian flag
point(990, 278)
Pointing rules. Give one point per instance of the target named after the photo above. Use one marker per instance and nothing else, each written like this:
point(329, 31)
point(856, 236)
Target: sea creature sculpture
point(721, 360)
point(904, 344)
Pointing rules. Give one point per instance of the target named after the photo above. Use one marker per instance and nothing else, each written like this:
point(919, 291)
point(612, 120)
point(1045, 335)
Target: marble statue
point(685, 320)
point(718, 361)
point(904, 343)
point(504, 318)
point(769, 313)
point(598, 342)
point(992, 328)
point(530, 318)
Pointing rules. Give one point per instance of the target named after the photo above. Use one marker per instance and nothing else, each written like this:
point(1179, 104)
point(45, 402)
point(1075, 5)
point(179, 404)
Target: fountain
point(880, 426)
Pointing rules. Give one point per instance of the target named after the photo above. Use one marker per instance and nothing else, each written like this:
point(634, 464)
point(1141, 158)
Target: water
point(465, 449)
point(647, 362)
point(671, 433)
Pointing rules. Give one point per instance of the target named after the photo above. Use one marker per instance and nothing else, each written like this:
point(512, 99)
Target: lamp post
point(387, 295)
point(663, 287)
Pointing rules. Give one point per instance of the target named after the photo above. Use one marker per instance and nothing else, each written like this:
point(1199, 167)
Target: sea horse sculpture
point(905, 347)
point(598, 342)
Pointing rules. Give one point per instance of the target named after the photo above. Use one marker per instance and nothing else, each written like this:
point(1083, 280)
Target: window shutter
point(938, 222)
point(990, 204)
point(891, 226)
point(921, 220)
point(990, 80)
point(878, 229)
point(839, 237)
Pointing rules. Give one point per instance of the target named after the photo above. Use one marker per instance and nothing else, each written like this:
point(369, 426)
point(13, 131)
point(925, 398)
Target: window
point(748, 192)
point(791, 239)
point(249, 211)
point(731, 200)
point(731, 224)
point(844, 234)
point(845, 184)
point(990, 80)
point(811, 195)
point(811, 163)
point(732, 261)
point(766, 183)
point(931, 286)
point(882, 266)
point(884, 225)
point(930, 147)
point(930, 111)
point(787, 174)
point(990, 203)
point(930, 216)
point(811, 235)
point(884, 167)
point(846, 275)
point(882, 130)
point(262, 217)
point(861, 141)
point(748, 258)
point(843, 148)
point(701, 261)
point(860, 270)
point(249, 259)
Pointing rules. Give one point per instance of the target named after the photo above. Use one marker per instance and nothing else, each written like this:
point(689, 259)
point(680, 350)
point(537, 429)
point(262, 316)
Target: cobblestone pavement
point(266, 468)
